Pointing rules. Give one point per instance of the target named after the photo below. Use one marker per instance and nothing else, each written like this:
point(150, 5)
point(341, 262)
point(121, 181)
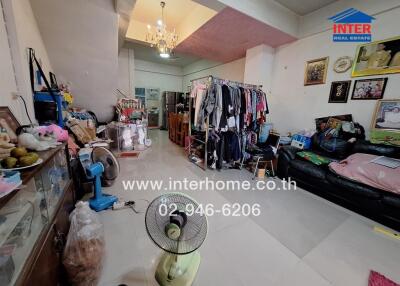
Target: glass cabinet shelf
point(26, 214)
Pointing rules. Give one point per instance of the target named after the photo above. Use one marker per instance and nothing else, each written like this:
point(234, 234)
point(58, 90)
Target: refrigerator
point(169, 100)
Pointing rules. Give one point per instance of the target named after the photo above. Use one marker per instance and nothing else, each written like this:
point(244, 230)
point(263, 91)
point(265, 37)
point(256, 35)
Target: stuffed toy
point(31, 142)
point(38, 138)
point(55, 131)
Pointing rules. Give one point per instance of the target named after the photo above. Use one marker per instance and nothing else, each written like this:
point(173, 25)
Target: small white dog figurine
point(29, 141)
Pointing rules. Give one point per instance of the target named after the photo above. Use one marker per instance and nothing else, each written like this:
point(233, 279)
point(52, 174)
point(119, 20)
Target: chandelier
point(160, 38)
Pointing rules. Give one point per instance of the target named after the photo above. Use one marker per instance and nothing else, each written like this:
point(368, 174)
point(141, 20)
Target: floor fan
point(174, 226)
point(102, 168)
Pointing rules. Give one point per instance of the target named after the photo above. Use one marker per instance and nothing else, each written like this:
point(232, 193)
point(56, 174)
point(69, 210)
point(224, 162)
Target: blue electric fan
point(102, 167)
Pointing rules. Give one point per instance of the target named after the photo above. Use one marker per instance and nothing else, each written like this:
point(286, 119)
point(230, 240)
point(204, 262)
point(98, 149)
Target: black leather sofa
point(379, 205)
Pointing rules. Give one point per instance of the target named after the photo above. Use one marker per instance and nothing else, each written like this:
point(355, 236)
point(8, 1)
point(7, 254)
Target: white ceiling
point(303, 7)
point(144, 52)
point(149, 11)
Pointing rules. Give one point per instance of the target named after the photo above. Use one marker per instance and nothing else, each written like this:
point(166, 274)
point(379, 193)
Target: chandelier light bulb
point(160, 38)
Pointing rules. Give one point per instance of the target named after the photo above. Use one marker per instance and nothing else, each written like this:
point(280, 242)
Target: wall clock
point(342, 64)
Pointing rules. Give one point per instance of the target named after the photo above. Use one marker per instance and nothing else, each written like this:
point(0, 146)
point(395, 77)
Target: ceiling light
point(160, 38)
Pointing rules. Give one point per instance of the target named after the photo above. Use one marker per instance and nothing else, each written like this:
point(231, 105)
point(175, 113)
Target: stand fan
point(179, 233)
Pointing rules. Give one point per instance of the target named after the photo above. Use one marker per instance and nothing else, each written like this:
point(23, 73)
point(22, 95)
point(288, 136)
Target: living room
point(200, 142)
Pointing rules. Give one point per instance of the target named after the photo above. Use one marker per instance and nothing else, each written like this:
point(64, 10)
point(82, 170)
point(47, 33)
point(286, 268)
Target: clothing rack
point(211, 79)
point(214, 79)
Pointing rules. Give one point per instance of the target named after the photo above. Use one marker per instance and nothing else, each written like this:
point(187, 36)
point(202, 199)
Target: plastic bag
point(84, 250)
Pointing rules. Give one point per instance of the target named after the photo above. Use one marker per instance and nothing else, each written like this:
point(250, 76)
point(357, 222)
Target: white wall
point(7, 79)
point(231, 71)
point(81, 37)
point(139, 73)
point(294, 106)
point(270, 12)
point(154, 75)
point(124, 72)
point(259, 66)
point(24, 33)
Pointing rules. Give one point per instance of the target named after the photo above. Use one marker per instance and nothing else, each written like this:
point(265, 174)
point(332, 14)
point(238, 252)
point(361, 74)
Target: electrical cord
point(131, 205)
point(26, 109)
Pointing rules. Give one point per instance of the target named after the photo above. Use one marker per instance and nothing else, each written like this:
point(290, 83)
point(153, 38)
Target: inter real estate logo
point(352, 25)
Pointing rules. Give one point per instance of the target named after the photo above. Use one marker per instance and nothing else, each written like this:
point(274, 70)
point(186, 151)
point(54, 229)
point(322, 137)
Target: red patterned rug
point(377, 279)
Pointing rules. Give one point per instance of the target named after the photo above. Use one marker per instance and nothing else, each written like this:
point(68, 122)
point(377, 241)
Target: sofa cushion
point(314, 158)
point(309, 168)
point(354, 187)
point(289, 151)
point(362, 146)
point(393, 201)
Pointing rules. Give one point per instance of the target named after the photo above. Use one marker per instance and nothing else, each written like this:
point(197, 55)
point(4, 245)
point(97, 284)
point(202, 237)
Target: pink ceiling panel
point(228, 35)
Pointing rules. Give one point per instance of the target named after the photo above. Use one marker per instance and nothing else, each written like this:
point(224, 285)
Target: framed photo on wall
point(316, 70)
point(373, 88)
point(9, 123)
point(152, 94)
point(387, 115)
point(339, 91)
point(375, 58)
point(140, 93)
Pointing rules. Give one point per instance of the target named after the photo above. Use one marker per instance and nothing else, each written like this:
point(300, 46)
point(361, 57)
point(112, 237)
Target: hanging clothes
point(243, 105)
point(228, 148)
point(217, 113)
point(207, 106)
point(226, 106)
point(198, 93)
point(234, 112)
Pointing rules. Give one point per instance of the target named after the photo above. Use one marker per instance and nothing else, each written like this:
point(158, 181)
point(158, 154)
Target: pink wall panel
point(228, 35)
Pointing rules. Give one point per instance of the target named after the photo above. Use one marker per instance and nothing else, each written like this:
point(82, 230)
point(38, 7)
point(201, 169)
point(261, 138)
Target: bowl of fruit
point(20, 159)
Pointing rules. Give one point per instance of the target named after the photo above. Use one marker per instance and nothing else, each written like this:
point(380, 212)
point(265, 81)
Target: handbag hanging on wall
point(47, 110)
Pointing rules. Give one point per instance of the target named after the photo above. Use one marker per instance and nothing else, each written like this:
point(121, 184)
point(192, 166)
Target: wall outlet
point(14, 95)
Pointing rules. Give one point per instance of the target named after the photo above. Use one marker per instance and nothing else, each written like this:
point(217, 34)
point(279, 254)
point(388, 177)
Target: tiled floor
point(299, 239)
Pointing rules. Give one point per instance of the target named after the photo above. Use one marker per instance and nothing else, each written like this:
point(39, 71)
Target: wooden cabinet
point(47, 200)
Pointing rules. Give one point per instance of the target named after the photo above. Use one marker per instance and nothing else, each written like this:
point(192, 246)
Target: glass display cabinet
point(34, 223)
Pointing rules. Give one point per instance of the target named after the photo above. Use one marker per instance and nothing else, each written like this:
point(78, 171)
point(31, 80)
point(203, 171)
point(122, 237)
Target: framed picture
point(387, 115)
point(140, 91)
point(380, 57)
point(373, 88)
point(9, 123)
point(316, 70)
point(152, 93)
point(339, 91)
point(140, 94)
